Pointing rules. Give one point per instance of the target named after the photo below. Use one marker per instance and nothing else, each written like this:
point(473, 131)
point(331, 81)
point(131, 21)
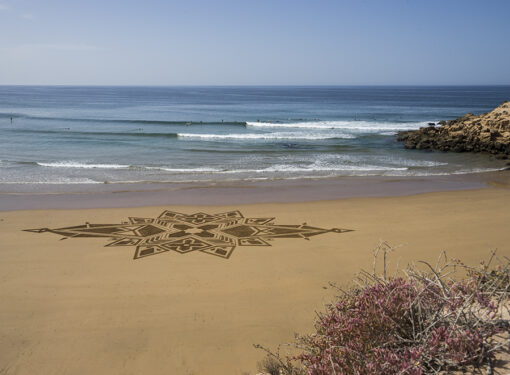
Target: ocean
point(88, 135)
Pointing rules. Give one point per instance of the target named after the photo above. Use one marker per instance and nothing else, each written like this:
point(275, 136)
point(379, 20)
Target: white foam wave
point(359, 126)
point(410, 162)
point(265, 136)
point(313, 168)
point(58, 181)
point(280, 168)
point(284, 168)
point(185, 170)
point(70, 164)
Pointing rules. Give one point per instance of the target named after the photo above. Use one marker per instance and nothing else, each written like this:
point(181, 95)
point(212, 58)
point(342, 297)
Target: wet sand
point(42, 196)
point(76, 306)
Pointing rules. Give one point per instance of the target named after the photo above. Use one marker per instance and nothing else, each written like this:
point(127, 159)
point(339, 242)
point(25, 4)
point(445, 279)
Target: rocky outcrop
point(488, 132)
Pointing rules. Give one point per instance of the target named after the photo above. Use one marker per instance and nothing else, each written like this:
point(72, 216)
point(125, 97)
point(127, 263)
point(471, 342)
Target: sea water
point(69, 135)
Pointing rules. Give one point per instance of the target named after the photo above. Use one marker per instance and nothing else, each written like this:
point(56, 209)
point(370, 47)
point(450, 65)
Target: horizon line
point(255, 85)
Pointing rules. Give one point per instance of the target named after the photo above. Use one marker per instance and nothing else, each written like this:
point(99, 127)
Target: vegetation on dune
point(422, 320)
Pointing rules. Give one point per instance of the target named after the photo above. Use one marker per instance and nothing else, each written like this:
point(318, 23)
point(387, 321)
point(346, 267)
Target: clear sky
point(259, 42)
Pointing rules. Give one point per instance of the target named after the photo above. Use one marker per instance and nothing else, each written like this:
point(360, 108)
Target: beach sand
point(78, 307)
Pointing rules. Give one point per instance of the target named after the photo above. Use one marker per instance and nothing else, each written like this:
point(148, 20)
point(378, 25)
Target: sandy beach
point(74, 306)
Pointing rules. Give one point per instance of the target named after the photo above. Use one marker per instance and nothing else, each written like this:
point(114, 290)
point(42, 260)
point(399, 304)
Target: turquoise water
point(67, 135)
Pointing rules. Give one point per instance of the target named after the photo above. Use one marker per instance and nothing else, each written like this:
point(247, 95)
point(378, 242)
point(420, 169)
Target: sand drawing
point(215, 234)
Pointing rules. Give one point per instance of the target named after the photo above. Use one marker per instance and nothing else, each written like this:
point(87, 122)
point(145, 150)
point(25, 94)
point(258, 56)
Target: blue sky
point(278, 42)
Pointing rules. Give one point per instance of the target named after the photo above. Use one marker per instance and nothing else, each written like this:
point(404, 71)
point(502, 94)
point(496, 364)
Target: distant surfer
point(290, 145)
point(11, 119)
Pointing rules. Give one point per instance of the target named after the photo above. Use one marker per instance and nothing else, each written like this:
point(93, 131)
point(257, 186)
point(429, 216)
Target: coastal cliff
point(488, 132)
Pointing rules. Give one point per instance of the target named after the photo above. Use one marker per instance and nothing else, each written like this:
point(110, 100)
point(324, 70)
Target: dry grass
point(424, 319)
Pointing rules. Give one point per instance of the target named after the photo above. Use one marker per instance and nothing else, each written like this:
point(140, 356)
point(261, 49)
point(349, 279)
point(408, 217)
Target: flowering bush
point(420, 323)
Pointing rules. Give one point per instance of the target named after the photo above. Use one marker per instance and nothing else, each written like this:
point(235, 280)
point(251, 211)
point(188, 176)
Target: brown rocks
point(488, 132)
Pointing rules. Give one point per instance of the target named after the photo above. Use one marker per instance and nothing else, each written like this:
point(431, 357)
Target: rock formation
point(488, 132)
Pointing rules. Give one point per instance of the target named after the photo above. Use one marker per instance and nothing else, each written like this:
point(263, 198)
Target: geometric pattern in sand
point(214, 234)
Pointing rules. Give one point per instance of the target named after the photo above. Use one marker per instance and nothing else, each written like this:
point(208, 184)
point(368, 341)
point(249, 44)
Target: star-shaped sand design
point(215, 234)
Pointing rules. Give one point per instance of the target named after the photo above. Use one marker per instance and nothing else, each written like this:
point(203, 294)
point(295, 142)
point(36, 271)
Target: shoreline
point(23, 197)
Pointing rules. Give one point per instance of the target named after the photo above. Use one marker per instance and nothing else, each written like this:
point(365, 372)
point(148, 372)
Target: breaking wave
point(359, 126)
point(266, 136)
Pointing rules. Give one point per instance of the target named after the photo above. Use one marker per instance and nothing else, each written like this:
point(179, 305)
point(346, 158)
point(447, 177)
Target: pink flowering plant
point(428, 320)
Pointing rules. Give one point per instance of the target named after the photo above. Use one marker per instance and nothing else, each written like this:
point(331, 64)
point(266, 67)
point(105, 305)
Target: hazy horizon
point(264, 43)
point(252, 85)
